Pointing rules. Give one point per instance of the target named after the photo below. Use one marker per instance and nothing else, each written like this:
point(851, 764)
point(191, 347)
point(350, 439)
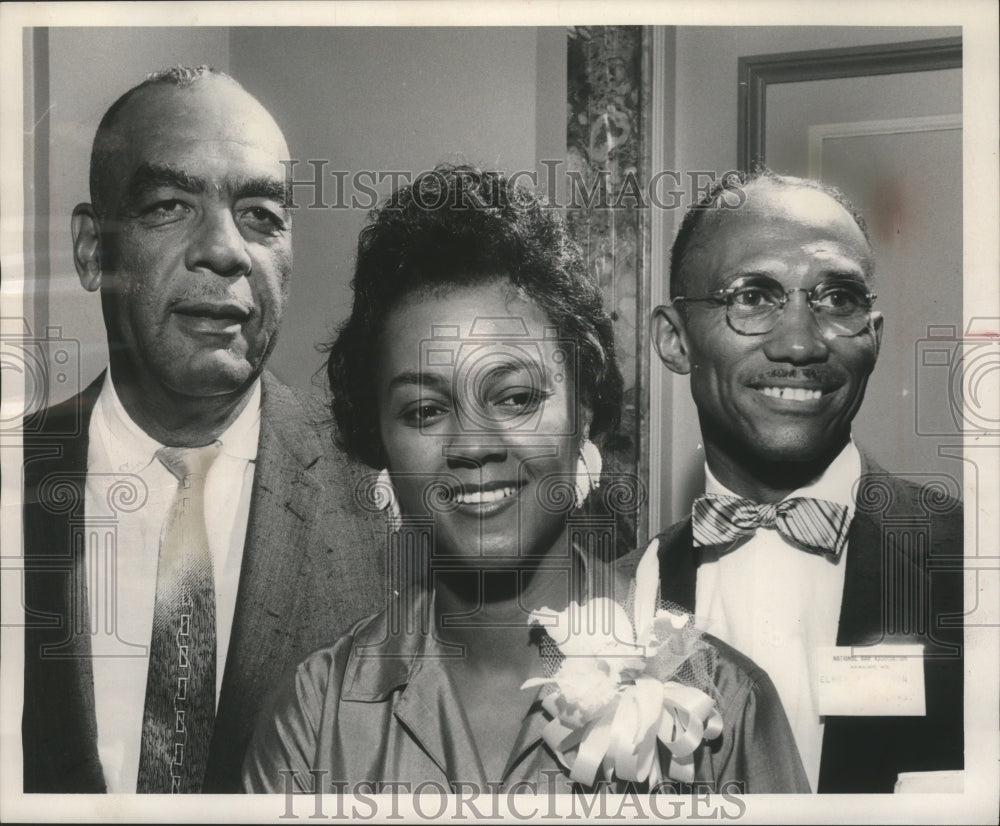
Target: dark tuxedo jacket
point(312, 564)
point(903, 583)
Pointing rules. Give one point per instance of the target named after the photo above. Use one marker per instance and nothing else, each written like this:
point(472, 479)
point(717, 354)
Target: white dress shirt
point(123, 592)
point(779, 604)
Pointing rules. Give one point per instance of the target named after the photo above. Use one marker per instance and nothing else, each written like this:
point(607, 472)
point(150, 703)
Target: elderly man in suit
point(801, 542)
point(190, 529)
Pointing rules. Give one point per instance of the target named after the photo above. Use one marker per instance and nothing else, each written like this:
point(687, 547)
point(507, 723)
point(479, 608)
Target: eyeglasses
point(841, 307)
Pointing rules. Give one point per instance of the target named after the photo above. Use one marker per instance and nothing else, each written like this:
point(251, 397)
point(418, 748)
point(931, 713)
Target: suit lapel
point(861, 607)
point(283, 506)
point(679, 565)
point(861, 604)
point(59, 725)
point(843, 766)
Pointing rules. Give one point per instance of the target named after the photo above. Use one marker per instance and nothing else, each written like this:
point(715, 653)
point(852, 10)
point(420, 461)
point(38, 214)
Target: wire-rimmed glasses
point(841, 306)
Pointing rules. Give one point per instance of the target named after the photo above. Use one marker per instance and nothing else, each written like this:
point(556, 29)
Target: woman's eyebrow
point(444, 382)
point(506, 368)
point(410, 378)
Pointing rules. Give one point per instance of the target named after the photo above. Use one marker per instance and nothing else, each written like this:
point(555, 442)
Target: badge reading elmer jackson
point(871, 681)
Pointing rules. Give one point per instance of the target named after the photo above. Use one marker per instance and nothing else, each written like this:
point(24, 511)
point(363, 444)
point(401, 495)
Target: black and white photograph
point(526, 412)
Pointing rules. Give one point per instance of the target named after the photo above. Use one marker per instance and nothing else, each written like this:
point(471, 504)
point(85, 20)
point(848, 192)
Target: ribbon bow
point(621, 739)
point(814, 525)
point(609, 706)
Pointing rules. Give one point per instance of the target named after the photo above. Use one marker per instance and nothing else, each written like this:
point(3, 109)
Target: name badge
point(883, 680)
point(930, 782)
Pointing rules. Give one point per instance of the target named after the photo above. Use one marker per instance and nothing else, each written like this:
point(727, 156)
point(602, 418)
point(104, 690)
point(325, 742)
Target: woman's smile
point(489, 493)
point(484, 470)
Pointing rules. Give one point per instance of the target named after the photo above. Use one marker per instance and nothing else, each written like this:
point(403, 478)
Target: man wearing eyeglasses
point(792, 556)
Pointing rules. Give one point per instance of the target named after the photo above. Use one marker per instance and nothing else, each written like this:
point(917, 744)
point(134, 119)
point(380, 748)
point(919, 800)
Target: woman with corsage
point(477, 374)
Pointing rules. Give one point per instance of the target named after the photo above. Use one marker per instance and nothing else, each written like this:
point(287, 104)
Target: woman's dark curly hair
point(459, 226)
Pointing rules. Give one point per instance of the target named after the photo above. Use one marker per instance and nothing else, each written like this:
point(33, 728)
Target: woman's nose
point(475, 452)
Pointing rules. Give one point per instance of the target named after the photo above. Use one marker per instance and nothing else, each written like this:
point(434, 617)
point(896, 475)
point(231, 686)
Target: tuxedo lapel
point(861, 620)
point(861, 607)
point(845, 763)
point(679, 561)
point(59, 722)
point(275, 558)
point(888, 596)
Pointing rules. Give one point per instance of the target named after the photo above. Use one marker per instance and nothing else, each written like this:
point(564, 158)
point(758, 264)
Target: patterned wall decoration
point(607, 169)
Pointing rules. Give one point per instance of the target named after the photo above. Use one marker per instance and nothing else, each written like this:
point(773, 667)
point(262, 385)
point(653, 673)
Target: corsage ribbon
point(616, 731)
point(622, 735)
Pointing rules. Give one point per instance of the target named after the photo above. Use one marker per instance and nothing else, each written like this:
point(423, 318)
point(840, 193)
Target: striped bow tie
point(814, 525)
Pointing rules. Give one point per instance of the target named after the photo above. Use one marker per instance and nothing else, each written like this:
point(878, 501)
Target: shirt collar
point(836, 484)
point(128, 448)
point(131, 450)
point(241, 438)
point(381, 659)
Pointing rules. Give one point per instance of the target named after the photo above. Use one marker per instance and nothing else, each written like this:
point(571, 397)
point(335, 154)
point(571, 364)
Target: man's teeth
point(796, 394)
point(481, 497)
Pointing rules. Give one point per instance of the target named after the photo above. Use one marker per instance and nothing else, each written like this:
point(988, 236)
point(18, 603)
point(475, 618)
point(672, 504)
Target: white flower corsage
point(616, 691)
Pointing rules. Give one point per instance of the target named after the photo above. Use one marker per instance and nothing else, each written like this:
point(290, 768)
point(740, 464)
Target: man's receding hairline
point(142, 91)
point(119, 118)
point(729, 194)
point(715, 220)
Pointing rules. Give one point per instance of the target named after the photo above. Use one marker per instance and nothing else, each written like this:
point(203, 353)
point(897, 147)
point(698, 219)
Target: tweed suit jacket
point(903, 584)
point(311, 566)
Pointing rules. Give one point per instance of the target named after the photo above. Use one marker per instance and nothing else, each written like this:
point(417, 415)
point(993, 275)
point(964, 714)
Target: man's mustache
point(819, 375)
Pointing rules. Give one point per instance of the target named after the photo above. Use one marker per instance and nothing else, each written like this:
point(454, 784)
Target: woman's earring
point(588, 471)
point(385, 500)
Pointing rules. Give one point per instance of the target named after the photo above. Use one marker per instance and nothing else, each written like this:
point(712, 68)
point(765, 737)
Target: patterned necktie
point(180, 687)
point(814, 525)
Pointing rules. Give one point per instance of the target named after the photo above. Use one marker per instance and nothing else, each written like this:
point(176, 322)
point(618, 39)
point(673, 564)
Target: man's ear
point(666, 328)
point(87, 246)
point(877, 330)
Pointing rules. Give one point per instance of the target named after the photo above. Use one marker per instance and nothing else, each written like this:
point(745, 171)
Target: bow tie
point(814, 525)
